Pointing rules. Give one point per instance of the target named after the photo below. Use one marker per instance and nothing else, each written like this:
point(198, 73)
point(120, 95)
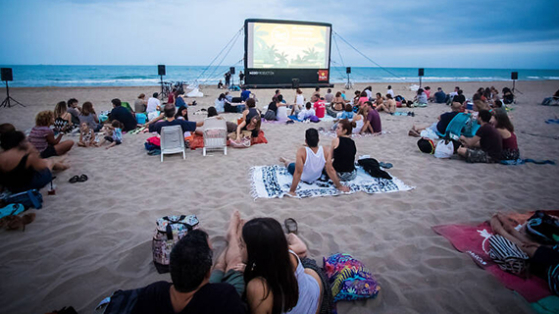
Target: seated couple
point(275, 274)
point(494, 141)
point(169, 112)
point(312, 161)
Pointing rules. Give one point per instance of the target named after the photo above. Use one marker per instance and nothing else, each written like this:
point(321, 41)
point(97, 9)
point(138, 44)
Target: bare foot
point(233, 224)
point(59, 166)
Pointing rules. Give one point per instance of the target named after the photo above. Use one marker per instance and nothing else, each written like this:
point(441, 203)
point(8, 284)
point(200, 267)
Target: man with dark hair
point(74, 110)
point(123, 115)
point(309, 163)
point(329, 96)
point(486, 145)
point(190, 292)
point(245, 94)
point(169, 112)
point(459, 98)
point(153, 103)
point(440, 96)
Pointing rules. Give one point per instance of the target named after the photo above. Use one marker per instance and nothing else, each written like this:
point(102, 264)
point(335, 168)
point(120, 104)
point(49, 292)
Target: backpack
point(507, 255)
point(543, 228)
point(349, 279)
point(169, 230)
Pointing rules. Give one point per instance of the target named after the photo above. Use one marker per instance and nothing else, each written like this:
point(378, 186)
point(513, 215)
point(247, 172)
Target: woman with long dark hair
point(275, 277)
point(182, 113)
point(503, 125)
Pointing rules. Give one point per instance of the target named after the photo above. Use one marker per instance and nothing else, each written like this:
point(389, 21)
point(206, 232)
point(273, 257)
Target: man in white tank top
point(309, 162)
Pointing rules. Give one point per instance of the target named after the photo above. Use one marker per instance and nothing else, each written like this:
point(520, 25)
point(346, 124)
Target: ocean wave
point(551, 77)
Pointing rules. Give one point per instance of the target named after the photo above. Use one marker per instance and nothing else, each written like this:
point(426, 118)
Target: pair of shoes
point(81, 178)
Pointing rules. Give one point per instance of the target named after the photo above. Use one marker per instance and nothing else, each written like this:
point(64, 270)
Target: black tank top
point(18, 177)
point(344, 155)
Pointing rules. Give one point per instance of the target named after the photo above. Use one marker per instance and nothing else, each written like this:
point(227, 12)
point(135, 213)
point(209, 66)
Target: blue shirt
point(187, 126)
point(245, 95)
point(180, 102)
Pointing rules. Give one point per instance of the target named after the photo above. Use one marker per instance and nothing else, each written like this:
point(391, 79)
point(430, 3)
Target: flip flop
point(74, 179)
point(386, 165)
point(12, 209)
point(82, 178)
point(290, 225)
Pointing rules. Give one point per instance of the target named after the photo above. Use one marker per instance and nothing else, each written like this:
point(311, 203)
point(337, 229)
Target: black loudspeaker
point(161, 69)
point(348, 70)
point(513, 75)
point(295, 83)
point(421, 72)
point(232, 70)
point(7, 74)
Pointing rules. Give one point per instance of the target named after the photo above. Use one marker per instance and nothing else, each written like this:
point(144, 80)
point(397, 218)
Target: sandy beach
point(93, 238)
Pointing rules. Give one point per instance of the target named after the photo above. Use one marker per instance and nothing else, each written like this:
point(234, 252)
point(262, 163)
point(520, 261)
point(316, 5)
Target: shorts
point(48, 152)
point(477, 156)
point(232, 277)
point(347, 176)
point(110, 139)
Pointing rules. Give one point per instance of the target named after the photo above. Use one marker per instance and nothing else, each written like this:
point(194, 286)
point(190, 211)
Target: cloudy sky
point(398, 33)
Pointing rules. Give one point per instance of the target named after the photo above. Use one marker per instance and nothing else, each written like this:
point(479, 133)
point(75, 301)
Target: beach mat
point(275, 182)
point(474, 241)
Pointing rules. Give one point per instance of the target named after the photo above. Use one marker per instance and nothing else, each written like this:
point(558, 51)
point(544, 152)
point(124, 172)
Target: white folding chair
point(215, 135)
point(172, 141)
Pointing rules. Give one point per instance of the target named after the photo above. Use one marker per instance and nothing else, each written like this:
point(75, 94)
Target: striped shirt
point(38, 137)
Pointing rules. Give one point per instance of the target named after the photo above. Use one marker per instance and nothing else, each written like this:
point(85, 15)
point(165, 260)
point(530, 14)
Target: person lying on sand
point(544, 259)
point(439, 126)
point(169, 111)
point(309, 163)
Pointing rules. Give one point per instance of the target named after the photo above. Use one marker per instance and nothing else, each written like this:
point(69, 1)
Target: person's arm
point(470, 141)
point(36, 162)
point(242, 125)
point(365, 126)
point(330, 167)
point(299, 163)
point(53, 141)
point(258, 301)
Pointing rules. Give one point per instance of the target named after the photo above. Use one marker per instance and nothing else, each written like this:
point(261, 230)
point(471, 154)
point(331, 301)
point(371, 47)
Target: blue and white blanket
point(275, 181)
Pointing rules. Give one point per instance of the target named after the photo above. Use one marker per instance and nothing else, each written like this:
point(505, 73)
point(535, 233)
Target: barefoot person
point(486, 146)
point(251, 120)
point(309, 163)
point(340, 162)
point(21, 167)
point(42, 137)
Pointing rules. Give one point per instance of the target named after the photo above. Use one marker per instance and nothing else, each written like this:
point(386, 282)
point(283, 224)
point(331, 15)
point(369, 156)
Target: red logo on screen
point(323, 75)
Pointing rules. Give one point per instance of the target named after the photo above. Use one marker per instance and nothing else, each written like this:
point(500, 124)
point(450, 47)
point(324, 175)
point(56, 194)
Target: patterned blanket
point(275, 181)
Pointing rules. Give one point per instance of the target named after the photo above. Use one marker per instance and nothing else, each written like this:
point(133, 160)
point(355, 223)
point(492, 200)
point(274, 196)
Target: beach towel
point(474, 241)
point(275, 181)
point(523, 161)
point(349, 279)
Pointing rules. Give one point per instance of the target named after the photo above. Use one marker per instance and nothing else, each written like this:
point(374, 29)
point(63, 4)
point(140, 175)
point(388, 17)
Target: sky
point(398, 33)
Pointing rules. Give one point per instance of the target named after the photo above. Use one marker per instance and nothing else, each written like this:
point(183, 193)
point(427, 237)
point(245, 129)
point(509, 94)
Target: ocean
point(91, 75)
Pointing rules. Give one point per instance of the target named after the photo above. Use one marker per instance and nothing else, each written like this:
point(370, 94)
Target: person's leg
point(233, 255)
point(296, 245)
point(63, 147)
point(462, 151)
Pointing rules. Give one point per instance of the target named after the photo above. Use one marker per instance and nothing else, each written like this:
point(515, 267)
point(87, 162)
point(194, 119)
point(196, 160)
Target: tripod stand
point(6, 102)
point(348, 85)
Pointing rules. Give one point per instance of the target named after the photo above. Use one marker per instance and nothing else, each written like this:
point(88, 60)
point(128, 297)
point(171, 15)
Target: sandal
point(290, 225)
point(82, 178)
point(74, 179)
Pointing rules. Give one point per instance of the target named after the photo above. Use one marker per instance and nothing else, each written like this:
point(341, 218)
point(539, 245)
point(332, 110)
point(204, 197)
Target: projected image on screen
point(288, 46)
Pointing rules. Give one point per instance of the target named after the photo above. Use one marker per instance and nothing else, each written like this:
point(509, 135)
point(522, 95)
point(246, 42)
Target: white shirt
point(314, 164)
point(152, 104)
point(391, 92)
point(300, 100)
point(369, 93)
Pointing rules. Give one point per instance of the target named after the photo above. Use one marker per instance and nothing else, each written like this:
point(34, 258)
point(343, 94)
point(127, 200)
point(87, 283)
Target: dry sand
point(93, 238)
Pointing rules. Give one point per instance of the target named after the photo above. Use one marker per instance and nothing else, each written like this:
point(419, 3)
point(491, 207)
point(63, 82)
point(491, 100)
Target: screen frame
point(284, 72)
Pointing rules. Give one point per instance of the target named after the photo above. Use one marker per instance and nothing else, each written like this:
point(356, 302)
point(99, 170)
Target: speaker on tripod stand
point(161, 71)
point(348, 85)
point(7, 76)
point(420, 73)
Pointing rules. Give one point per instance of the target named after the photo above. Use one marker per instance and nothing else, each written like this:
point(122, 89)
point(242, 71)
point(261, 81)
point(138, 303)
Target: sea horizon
point(146, 75)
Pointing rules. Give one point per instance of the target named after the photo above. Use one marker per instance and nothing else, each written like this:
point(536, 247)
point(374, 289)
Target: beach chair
point(215, 135)
point(172, 141)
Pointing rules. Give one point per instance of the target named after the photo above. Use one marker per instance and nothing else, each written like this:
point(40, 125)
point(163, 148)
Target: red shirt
point(171, 99)
point(320, 109)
